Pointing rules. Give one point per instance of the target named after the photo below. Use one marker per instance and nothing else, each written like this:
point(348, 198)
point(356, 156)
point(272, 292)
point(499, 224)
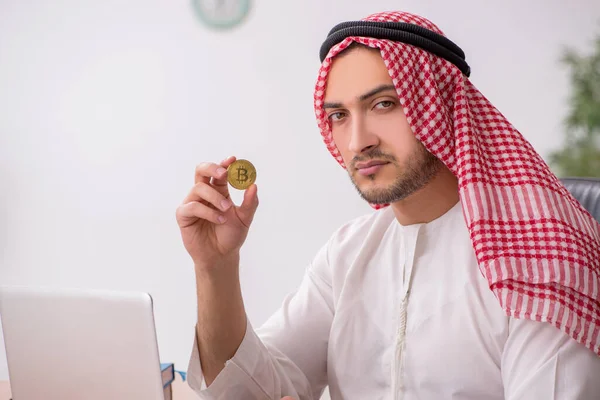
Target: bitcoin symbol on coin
point(241, 174)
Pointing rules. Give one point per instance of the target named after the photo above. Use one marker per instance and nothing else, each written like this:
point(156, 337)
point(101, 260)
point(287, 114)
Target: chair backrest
point(587, 192)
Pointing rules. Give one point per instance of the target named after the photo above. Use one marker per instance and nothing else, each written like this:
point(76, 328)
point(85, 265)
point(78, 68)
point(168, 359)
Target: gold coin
point(241, 174)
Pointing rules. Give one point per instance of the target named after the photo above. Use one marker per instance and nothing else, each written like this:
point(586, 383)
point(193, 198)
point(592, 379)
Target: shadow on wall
point(4, 223)
point(5, 187)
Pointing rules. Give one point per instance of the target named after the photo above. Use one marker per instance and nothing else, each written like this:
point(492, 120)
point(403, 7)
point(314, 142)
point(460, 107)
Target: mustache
point(371, 155)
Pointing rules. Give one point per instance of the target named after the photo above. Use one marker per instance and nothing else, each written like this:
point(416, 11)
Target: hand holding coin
point(212, 227)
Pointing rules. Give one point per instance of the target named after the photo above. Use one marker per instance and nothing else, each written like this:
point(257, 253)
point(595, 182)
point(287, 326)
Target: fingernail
point(225, 204)
point(221, 171)
point(221, 219)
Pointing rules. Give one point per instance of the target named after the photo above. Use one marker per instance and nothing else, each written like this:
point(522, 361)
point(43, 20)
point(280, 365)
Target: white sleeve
point(542, 362)
point(287, 356)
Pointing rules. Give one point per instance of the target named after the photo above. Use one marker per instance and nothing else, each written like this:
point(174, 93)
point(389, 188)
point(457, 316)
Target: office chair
point(587, 192)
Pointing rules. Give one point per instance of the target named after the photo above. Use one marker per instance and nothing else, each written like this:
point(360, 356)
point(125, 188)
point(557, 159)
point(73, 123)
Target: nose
point(362, 138)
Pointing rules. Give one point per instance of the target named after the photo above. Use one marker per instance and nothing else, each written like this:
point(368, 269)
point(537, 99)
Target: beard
point(417, 171)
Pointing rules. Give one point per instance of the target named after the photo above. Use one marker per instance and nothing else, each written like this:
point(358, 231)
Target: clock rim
point(226, 24)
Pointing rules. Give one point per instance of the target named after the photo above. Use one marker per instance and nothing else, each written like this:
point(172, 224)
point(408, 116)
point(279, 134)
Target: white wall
point(107, 106)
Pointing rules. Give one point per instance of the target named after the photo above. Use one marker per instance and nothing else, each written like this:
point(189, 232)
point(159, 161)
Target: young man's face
point(384, 159)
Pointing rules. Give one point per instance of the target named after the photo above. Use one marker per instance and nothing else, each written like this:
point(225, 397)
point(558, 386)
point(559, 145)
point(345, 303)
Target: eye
point(384, 104)
point(336, 116)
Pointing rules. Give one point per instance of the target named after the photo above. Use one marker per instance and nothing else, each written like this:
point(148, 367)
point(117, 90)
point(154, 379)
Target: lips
point(371, 167)
point(370, 164)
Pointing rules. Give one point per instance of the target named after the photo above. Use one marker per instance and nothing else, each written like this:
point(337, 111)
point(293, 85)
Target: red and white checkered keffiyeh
point(537, 246)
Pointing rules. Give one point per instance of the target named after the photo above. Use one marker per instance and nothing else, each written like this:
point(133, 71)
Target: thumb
point(249, 205)
point(287, 398)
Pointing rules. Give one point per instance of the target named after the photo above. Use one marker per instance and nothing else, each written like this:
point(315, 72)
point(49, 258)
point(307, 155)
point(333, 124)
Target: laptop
point(80, 344)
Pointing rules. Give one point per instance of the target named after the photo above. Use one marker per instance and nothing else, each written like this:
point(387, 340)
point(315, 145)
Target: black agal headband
point(412, 34)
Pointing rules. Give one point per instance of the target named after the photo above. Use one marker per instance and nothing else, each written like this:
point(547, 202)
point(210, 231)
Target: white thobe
point(387, 311)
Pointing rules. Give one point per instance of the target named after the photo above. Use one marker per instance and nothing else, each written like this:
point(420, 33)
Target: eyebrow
point(365, 96)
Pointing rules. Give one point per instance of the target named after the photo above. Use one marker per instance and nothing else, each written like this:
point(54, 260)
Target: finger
point(204, 192)
point(249, 205)
point(221, 181)
point(207, 170)
point(189, 213)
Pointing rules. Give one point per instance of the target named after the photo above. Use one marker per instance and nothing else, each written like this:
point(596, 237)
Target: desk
point(181, 390)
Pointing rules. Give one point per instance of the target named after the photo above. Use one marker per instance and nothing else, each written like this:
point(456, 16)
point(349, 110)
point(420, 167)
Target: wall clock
point(221, 14)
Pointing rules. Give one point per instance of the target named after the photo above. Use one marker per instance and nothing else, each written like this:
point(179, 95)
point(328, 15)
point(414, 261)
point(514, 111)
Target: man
point(477, 278)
